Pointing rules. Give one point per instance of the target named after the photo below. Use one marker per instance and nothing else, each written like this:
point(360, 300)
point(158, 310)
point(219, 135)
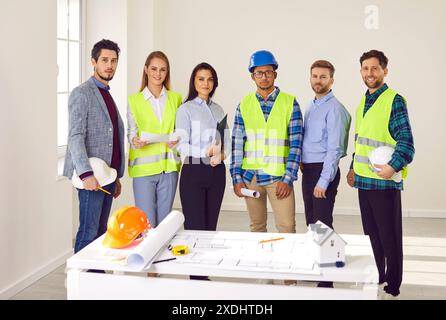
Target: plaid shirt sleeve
point(399, 128)
point(238, 143)
point(295, 134)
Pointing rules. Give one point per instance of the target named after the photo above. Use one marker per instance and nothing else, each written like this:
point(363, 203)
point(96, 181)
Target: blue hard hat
point(262, 58)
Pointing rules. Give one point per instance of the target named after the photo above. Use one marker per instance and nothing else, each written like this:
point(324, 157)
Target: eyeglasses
point(260, 74)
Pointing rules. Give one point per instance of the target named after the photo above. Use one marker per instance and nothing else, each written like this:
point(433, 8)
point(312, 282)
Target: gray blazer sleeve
point(77, 115)
point(90, 132)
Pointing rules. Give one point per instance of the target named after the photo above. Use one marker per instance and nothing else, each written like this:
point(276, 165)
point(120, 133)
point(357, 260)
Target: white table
point(228, 282)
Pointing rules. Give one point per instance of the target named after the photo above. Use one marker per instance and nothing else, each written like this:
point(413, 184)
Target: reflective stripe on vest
point(372, 131)
point(271, 159)
point(277, 142)
point(254, 154)
point(153, 158)
point(366, 160)
point(361, 159)
point(373, 143)
point(267, 143)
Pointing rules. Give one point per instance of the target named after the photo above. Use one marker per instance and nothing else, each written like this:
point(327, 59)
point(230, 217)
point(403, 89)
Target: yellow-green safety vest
point(153, 158)
point(372, 131)
point(267, 143)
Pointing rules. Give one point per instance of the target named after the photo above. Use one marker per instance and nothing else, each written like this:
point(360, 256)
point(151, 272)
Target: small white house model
point(327, 246)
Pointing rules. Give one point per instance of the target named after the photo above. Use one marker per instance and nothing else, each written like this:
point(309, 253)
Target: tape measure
point(180, 250)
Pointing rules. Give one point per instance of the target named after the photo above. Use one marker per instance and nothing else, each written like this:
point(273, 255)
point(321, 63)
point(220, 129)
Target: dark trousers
point(382, 221)
point(315, 208)
point(201, 192)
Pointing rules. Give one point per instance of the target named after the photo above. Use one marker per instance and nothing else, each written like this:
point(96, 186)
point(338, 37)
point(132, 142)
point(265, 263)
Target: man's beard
point(377, 84)
point(266, 88)
point(105, 78)
point(321, 90)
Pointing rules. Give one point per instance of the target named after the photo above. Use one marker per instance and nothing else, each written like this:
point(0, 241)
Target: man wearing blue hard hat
point(266, 147)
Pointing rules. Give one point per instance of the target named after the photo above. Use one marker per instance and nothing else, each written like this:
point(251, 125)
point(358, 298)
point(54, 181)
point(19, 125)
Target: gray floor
point(424, 260)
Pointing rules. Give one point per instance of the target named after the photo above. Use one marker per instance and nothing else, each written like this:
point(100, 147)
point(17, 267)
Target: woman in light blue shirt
point(203, 175)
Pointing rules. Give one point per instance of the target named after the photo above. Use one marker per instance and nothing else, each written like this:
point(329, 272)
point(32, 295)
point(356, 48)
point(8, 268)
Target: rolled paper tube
point(250, 193)
point(142, 256)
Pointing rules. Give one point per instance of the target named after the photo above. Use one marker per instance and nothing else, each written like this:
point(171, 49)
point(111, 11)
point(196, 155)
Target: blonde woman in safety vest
point(153, 165)
point(381, 120)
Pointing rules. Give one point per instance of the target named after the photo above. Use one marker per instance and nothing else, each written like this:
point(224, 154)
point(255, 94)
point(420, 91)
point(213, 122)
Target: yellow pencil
point(103, 190)
point(269, 240)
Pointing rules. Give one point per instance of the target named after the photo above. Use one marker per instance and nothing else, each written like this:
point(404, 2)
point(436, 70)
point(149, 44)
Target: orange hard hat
point(124, 226)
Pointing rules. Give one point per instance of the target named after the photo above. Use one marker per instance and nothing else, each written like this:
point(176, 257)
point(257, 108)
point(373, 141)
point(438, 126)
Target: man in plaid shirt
point(266, 147)
point(382, 120)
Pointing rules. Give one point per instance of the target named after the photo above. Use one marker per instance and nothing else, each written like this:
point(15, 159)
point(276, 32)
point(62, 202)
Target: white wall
point(113, 19)
point(35, 219)
point(140, 38)
point(226, 33)
point(107, 19)
point(36, 209)
point(411, 33)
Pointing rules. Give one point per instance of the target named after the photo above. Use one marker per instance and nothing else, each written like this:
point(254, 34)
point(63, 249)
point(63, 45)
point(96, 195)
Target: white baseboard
point(18, 286)
point(349, 211)
point(425, 213)
point(407, 213)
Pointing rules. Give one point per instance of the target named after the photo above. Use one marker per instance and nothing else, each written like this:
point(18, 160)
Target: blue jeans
point(94, 209)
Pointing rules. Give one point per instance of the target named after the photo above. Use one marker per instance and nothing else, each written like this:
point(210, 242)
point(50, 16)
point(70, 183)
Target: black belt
point(312, 165)
point(192, 160)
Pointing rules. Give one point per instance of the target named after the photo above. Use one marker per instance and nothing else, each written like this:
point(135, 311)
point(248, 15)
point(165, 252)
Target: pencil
point(269, 240)
point(103, 190)
point(164, 260)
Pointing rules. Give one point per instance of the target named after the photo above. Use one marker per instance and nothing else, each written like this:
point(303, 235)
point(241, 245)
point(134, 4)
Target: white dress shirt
point(157, 105)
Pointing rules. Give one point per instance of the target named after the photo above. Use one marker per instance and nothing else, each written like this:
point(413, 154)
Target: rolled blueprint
point(156, 239)
point(250, 193)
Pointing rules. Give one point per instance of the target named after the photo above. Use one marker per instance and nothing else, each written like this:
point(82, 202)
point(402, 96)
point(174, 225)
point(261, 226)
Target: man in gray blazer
point(95, 130)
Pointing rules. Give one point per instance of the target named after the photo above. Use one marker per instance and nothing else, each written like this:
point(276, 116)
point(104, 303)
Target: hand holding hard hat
point(381, 156)
point(101, 171)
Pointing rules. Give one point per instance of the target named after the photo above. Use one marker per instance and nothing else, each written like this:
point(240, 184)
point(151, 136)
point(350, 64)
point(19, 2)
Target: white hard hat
point(101, 171)
point(382, 155)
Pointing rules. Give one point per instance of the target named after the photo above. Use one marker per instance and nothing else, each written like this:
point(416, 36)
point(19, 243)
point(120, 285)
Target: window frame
point(61, 149)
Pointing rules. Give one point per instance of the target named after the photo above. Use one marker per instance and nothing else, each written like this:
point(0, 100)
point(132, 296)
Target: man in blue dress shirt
point(326, 127)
